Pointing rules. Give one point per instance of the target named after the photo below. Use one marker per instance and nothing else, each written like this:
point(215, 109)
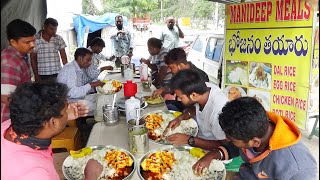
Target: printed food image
point(156, 122)
point(157, 99)
point(262, 96)
point(117, 164)
point(171, 163)
point(260, 75)
point(236, 72)
point(234, 92)
point(110, 87)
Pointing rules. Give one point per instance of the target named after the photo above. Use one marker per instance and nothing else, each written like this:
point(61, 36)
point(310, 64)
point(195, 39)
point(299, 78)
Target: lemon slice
point(177, 113)
point(197, 152)
point(81, 153)
point(104, 81)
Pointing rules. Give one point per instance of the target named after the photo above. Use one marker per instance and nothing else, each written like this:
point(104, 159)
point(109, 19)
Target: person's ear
point(194, 96)
point(13, 43)
point(255, 142)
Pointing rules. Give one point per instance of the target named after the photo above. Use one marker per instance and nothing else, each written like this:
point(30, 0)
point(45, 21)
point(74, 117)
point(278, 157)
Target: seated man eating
point(72, 74)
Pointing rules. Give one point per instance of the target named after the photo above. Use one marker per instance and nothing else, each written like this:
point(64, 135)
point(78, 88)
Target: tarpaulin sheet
point(94, 23)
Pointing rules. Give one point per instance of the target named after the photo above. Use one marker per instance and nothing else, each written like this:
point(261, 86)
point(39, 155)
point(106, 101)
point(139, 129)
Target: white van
point(207, 53)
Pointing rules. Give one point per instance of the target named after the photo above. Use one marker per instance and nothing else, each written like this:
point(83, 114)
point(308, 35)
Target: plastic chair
point(234, 165)
point(68, 138)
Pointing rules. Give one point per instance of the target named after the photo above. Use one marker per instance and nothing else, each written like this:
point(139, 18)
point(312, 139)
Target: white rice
point(74, 167)
point(183, 168)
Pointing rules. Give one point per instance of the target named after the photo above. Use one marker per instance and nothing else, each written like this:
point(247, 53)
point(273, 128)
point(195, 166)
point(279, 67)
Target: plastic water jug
point(143, 72)
point(130, 88)
point(132, 105)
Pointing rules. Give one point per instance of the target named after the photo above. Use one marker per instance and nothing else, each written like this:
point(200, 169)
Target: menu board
point(268, 52)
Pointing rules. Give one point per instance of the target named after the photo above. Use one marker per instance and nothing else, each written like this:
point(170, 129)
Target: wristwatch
point(191, 141)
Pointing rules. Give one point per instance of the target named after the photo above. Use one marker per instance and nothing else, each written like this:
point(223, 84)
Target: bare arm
point(34, 65)
point(5, 99)
point(161, 74)
point(181, 35)
point(63, 56)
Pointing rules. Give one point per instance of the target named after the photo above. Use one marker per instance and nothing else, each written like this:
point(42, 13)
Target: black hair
point(243, 119)
point(154, 42)
point(176, 56)
point(17, 29)
point(82, 52)
point(97, 41)
point(189, 81)
point(34, 103)
point(51, 21)
point(118, 16)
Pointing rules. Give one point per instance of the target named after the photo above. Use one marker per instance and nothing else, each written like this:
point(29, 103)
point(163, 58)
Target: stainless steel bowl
point(99, 147)
point(180, 148)
point(167, 112)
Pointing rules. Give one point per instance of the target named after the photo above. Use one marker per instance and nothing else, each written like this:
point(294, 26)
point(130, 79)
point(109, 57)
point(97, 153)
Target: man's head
point(20, 35)
point(188, 86)
point(119, 22)
point(170, 22)
point(83, 56)
point(50, 26)
point(176, 60)
point(39, 108)
point(97, 44)
point(244, 121)
point(154, 46)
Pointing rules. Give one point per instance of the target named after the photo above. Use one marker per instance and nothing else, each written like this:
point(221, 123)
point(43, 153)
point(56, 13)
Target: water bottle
point(143, 72)
point(132, 104)
point(130, 88)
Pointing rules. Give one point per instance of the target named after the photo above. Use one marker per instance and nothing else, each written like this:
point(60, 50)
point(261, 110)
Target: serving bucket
point(110, 116)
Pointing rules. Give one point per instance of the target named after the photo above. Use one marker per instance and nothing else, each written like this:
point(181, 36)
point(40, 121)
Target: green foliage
point(195, 9)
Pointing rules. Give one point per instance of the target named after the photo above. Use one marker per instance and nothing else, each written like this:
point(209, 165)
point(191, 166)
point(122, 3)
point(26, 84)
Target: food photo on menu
point(262, 96)
point(260, 75)
point(234, 92)
point(237, 72)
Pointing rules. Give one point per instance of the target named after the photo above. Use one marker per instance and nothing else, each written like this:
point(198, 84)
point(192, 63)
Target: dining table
point(117, 135)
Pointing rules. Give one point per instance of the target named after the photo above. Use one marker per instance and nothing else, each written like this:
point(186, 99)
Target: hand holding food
point(92, 170)
point(172, 125)
point(178, 139)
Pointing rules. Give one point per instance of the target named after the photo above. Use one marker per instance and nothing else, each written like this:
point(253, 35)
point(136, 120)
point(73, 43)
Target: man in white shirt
point(122, 40)
point(170, 35)
point(205, 101)
point(73, 74)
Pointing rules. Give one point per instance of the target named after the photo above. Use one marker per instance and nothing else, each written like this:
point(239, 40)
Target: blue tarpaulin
point(94, 23)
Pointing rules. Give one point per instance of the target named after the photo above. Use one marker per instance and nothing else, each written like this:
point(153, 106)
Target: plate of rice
point(117, 163)
point(157, 121)
point(110, 87)
point(172, 163)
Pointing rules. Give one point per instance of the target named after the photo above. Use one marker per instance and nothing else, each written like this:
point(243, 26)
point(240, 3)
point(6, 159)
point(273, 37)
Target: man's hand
point(178, 139)
point(146, 61)
point(92, 170)
point(96, 84)
point(158, 92)
point(203, 164)
point(172, 125)
point(177, 24)
point(37, 78)
point(77, 109)
point(106, 68)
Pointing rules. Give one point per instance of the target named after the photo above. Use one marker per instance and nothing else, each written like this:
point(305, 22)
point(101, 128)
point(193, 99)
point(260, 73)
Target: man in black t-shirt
point(176, 60)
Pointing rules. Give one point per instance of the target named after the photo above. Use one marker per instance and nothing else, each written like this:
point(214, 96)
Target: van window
point(210, 48)
point(214, 49)
point(198, 44)
point(218, 50)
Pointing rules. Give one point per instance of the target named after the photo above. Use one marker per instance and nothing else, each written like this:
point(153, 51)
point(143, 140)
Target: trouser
point(52, 77)
point(118, 62)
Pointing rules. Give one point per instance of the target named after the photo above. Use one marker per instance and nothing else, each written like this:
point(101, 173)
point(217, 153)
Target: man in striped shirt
point(160, 73)
point(15, 68)
point(45, 59)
